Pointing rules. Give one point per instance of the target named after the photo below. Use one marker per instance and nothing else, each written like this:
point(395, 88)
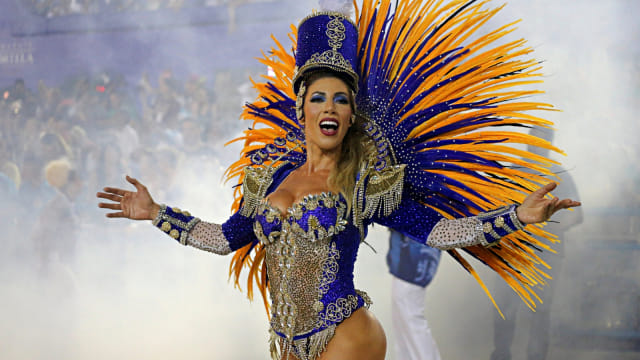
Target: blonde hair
point(13, 172)
point(57, 172)
point(355, 147)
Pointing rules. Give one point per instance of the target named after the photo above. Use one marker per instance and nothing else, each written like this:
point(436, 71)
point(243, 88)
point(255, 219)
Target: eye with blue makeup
point(341, 99)
point(338, 98)
point(317, 97)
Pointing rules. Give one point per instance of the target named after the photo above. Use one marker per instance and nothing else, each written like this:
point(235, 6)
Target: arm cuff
point(175, 222)
point(498, 223)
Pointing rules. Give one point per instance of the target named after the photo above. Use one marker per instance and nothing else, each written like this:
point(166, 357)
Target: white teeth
point(329, 124)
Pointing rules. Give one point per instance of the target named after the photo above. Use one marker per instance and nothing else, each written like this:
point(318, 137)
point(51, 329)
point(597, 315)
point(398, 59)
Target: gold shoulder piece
point(254, 187)
point(383, 191)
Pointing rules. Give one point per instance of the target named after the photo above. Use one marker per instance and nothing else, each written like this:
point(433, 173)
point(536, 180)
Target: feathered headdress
point(441, 99)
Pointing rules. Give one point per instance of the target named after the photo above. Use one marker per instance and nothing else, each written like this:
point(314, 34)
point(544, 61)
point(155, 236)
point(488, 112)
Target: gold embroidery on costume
point(336, 34)
point(166, 226)
point(308, 348)
point(254, 187)
point(380, 195)
point(300, 102)
point(316, 231)
point(365, 297)
point(384, 191)
point(329, 271)
point(338, 311)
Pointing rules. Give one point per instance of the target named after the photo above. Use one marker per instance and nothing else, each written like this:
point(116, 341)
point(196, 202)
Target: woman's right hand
point(136, 205)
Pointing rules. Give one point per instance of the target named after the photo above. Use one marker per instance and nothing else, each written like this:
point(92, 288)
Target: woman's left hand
point(537, 208)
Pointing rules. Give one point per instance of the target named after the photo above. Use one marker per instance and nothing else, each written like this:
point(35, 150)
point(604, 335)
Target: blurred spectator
point(81, 146)
point(29, 135)
point(9, 185)
point(192, 133)
point(106, 162)
point(11, 171)
point(161, 108)
point(48, 99)
point(54, 235)
point(51, 146)
point(119, 123)
point(166, 160)
point(21, 99)
point(105, 131)
point(34, 192)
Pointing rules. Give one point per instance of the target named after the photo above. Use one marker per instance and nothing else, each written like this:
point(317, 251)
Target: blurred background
point(92, 90)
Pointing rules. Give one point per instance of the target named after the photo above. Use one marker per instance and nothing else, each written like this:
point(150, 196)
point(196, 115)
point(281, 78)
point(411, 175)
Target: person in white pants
point(413, 266)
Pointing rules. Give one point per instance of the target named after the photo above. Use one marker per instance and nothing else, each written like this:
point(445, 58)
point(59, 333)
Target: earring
point(353, 119)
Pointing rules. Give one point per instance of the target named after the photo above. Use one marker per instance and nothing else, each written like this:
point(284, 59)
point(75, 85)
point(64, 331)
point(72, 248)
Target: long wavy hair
point(355, 145)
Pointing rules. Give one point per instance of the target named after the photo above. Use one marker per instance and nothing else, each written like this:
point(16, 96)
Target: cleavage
point(325, 199)
point(295, 188)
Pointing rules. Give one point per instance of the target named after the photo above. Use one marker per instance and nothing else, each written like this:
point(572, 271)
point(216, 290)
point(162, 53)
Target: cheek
point(310, 110)
point(346, 115)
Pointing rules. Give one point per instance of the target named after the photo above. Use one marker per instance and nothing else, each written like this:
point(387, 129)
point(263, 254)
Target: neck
point(321, 160)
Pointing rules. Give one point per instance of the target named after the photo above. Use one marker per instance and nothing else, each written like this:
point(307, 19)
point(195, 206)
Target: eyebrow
point(323, 93)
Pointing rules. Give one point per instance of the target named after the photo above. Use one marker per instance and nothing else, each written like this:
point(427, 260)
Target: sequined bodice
point(314, 218)
point(310, 253)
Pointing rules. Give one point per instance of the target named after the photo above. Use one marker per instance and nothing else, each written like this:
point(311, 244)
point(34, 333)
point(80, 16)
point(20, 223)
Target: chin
point(329, 145)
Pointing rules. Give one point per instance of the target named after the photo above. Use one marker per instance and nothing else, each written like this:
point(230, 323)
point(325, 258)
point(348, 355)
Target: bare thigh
point(359, 337)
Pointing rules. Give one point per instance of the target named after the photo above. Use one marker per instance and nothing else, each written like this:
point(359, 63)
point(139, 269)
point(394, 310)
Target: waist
point(325, 314)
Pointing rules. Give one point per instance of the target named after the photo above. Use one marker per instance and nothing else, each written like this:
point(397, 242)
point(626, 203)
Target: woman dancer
point(333, 162)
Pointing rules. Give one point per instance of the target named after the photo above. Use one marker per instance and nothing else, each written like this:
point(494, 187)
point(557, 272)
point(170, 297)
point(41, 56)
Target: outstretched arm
point(426, 225)
point(180, 225)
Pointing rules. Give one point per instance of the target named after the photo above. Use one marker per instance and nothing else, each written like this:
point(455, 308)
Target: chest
point(294, 190)
point(314, 218)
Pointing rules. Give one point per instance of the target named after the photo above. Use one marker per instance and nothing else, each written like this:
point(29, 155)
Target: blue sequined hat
point(327, 40)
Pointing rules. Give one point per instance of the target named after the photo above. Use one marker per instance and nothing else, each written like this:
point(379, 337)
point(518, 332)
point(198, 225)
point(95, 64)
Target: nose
point(330, 107)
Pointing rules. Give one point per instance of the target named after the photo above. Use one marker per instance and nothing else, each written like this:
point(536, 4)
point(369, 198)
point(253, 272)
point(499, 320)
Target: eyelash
point(342, 100)
point(339, 99)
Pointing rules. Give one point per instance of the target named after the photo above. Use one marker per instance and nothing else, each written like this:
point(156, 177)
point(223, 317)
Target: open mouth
point(329, 127)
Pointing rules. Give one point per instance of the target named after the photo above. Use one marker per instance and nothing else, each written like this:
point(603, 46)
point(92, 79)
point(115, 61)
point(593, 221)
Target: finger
point(545, 189)
point(116, 215)
point(567, 203)
point(136, 183)
point(110, 206)
point(115, 191)
point(112, 197)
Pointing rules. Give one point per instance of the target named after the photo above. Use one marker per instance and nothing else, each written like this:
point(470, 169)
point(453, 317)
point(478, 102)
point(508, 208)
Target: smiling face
point(327, 113)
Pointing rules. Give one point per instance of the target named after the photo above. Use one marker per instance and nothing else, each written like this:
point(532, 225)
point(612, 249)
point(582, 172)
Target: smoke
point(133, 293)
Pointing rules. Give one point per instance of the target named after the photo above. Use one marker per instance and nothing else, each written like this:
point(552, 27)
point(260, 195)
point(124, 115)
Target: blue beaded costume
point(435, 105)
